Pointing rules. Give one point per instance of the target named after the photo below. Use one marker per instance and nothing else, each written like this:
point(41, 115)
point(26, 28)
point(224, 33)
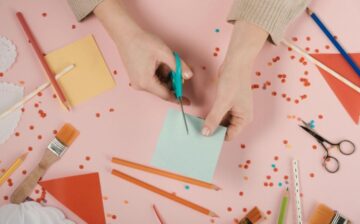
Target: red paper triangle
point(348, 97)
point(81, 194)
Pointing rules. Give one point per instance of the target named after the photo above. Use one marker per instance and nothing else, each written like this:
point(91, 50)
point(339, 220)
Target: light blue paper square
point(192, 155)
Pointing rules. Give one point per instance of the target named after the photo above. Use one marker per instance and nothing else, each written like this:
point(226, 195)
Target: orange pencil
point(164, 193)
point(164, 173)
point(41, 58)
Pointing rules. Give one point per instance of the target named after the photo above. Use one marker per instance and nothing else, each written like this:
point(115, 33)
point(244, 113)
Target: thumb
point(214, 118)
point(169, 59)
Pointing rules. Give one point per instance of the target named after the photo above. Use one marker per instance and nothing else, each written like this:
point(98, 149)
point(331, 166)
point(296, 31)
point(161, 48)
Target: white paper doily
point(7, 53)
point(9, 95)
point(31, 213)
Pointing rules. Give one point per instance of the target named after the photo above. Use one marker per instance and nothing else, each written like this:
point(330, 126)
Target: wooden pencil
point(12, 168)
point(333, 40)
point(35, 92)
point(158, 216)
point(164, 173)
point(321, 65)
point(41, 58)
point(163, 193)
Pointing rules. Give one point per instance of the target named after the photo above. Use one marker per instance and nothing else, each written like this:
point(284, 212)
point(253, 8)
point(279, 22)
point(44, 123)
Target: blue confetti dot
point(187, 187)
point(280, 184)
point(273, 165)
point(217, 30)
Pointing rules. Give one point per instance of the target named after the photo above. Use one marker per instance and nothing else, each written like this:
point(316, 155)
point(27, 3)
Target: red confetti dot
point(23, 110)
point(292, 57)
point(240, 166)
point(335, 37)
point(274, 93)
point(320, 116)
point(81, 167)
point(327, 46)
point(286, 177)
point(39, 137)
point(241, 193)
point(248, 161)
point(244, 209)
point(17, 134)
point(268, 212)
point(288, 99)
point(307, 49)
point(283, 95)
point(87, 158)
point(36, 105)
point(258, 73)
point(10, 184)
point(266, 184)
point(55, 132)
point(31, 127)
point(276, 157)
point(271, 184)
point(276, 169)
point(312, 175)
point(317, 51)
point(254, 86)
point(306, 72)
point(54, 96)
point(73, 26)
point(314, 147)
point(217, 49)
point(308, 38)
point(30, 148)
point(203, 67)
point(129, 84)
point(115, 72)
point(229, 209)
point(268, 177)
point(289, 49)
point(285, 141)
point(246, 166)
point(242, 146)
point(111, 110)
point(97, 115)
point(44, 14)
point(296, 101)
point(6, 198)
point(215, 54)
point(294, 38)
point(39, 94)
point(24, 172)
point(1, 74)
point(113, 216)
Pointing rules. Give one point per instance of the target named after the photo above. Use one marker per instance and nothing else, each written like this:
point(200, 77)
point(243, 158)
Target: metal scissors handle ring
point(331, 164)
point(346, 147)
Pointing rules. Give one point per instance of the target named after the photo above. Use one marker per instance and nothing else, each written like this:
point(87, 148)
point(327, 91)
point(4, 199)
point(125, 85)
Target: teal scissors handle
point(176, 77)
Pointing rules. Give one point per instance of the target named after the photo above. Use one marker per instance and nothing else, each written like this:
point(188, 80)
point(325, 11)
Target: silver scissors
point(330, 163)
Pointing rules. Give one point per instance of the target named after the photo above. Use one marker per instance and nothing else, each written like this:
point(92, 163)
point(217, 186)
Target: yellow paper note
point(89, 78)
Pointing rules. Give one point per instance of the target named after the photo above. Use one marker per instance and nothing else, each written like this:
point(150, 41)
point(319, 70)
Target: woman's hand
point(147, 59)
point(233, 104)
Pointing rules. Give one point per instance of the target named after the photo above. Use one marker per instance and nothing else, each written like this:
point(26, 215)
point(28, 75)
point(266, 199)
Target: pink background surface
point(132, 130)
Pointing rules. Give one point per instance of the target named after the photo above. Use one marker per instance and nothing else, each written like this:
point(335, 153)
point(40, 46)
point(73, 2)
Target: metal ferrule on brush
point(57, 147)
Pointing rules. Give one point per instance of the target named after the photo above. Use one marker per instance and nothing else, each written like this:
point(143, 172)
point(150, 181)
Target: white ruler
point(295, 167)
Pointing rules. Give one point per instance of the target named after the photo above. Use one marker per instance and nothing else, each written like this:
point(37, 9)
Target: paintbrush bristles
point(67, 134)
point(254, 215)
point(322, 215)
point(309, 11)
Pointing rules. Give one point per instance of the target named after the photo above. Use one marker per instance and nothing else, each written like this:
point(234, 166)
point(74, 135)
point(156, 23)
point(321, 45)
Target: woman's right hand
point(148, 60)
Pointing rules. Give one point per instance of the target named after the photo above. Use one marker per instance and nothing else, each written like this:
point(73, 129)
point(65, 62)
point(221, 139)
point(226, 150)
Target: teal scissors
point(330, 163)
point(177, 81)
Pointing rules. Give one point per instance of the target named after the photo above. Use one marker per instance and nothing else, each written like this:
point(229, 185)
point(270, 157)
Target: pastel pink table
point(189, 28)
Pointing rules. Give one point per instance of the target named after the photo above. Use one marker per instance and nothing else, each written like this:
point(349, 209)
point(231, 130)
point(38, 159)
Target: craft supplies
point(177, 81)
point(90, 78)
point(163, 193)
point(9, 94)
point(321, 65)
point(158, 215)
point(325, 215)
point(330, 163)
point(296, 179)
point(283, 207)
point(254, 216)
point(164, 173)
point(331, 37)
point(34, 93)
point(192, 155)
point(41, 58)
point(57, 147)
point(81, 194)
point(7, 54)
point(32, 212)
point(13, 168)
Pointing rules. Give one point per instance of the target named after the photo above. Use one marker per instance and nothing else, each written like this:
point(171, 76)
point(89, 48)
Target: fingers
point(214, 118)
point(156, 87)
point(237, 124)
point(169, 60)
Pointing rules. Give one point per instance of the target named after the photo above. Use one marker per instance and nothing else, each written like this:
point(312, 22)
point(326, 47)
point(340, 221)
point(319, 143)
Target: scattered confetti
point(187, 187)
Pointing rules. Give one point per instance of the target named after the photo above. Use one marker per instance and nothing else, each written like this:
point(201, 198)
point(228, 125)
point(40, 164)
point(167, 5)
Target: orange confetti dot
point(312, 175)
point(242, 146)
point(295, 39)
point(127, 202)
point(314, 147)
point(327, 46)
point(241, 193)
point(39, 94)
point(31, 127)
point(24, 172)
point(111, 110)
point(229, 209)
point(273, 93)
point(289, 49)
point(217, 49)
point(55, 132)
point(215, 54)
point(285, 141)
point(246, 166)
point(258, 73)
point(81, 167)
point(308, 38)
point(115, 72)
point(54, 96)
point(97, 115)
point(269, 64)
point(17, 134)
point(87, 158)
point(30, 148)
point(39, 137)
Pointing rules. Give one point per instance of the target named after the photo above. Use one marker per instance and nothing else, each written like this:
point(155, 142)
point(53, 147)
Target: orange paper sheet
point(348, 97)
point(81, 194)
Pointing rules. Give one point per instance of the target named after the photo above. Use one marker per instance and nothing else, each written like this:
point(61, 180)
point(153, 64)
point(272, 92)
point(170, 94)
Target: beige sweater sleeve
point(271, 15)
point(83, 8)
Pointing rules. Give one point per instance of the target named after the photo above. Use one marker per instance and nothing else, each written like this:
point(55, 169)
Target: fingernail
point(205, 131)
point(187, 75)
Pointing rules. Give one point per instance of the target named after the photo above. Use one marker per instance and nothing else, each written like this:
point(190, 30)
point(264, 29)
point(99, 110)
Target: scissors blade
point(183, 113)
point(313, 133)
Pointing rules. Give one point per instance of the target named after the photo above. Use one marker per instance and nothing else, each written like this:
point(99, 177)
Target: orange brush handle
point(41, 58)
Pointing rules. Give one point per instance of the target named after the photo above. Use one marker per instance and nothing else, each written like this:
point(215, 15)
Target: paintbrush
point(252, 217)
point(325, 215)
point(57, 147)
